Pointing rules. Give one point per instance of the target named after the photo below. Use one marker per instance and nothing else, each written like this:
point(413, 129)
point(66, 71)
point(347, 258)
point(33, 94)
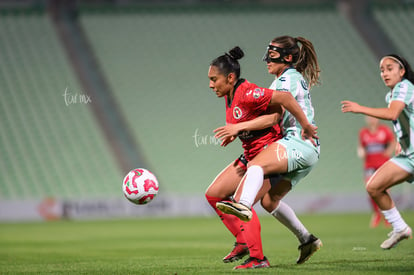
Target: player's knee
point(208, 192)
point(214, 190)
point(269, 204)
point(373, 190)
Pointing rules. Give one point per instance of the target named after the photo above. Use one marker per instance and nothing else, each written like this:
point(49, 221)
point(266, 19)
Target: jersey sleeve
point(389, 134)
point(402, 92)
point(258, 98)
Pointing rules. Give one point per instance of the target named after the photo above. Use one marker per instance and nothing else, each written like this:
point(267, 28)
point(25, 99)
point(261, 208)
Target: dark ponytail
point(228, 62)
point(409, 74)
point(304, 58)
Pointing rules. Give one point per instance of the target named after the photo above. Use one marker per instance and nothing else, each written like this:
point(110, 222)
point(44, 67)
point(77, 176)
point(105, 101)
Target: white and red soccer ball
point(140, 186)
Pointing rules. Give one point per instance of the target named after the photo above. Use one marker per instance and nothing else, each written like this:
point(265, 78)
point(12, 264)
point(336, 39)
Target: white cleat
point(396, 237)
point(237, 209)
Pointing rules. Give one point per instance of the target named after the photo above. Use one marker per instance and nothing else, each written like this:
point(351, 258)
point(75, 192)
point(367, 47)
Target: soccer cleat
point(308, 248)
point(236, 209)
point(239, 251)
point(396, 237)
point(252, 262)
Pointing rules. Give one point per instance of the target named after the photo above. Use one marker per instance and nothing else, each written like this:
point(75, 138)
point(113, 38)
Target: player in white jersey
point(291, 156)
point(399, 77)
point(286, 80)
point(292, 81)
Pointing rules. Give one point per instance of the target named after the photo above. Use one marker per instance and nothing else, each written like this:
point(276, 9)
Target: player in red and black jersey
point(249, 102)
point(244, 102)
point(376, 146)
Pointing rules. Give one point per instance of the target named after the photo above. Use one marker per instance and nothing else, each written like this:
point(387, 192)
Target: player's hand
point(226, 134)
point(310, 133)
point(350, 106)
point(227, 140)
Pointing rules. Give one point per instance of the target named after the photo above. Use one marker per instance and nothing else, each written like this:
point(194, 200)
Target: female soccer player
point(376, 146)
point(291, 156)
point(284, 213)
point(399, 77)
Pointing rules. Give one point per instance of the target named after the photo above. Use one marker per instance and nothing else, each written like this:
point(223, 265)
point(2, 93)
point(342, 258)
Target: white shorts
point(302, 156)
point(406, 163)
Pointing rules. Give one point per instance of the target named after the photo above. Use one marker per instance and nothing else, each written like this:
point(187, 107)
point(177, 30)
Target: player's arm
point(391, 113)
point(289, 103)
point(259, 123)
point(271, 118)
point(391, 147)
point(361, 152)
point(229, 132)
point(389, 151)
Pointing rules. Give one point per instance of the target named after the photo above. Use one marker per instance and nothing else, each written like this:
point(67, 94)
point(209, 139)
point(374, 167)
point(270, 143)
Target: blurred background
point(92, 89)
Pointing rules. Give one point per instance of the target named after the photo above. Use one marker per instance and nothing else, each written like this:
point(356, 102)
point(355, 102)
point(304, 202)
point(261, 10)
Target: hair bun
point(236, 53)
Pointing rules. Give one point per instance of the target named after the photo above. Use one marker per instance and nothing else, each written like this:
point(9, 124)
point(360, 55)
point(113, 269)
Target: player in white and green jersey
point(399, 77)
point(404, 125)
point(292, 81)
point(291, 60)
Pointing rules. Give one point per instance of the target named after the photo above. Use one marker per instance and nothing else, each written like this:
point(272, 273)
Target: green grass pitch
point(195, 246)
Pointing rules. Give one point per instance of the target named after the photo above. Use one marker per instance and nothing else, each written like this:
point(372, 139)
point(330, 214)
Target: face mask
point(282, 51)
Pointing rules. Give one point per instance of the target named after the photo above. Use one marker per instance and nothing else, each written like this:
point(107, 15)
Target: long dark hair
point(228, 62)
point(303, 58)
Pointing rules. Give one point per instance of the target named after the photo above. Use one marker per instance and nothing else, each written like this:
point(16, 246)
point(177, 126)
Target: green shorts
point(302, 156)
point(406, 163)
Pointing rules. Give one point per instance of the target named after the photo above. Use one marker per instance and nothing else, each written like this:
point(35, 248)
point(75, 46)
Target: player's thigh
point(225, 184)
point(388, 175)
point(264, 190)
point(368, 172)
point(279, 190)
point(273, 159)
point(275, 194)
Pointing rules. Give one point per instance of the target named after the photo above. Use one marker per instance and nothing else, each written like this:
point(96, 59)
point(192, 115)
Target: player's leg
point(252, 184)
point(388, 175)
point(222, 187)
point(254, 242)
point(272, 160)
point(376, 212)
point(286, 155)
point(272, 202)
point(252, 233)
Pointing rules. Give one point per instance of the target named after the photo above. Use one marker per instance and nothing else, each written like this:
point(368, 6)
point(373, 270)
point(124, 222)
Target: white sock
point(286, 216)
point(252, 185)
point(395, 219)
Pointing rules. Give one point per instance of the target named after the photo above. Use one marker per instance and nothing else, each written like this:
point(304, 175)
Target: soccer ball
point(140, 186)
